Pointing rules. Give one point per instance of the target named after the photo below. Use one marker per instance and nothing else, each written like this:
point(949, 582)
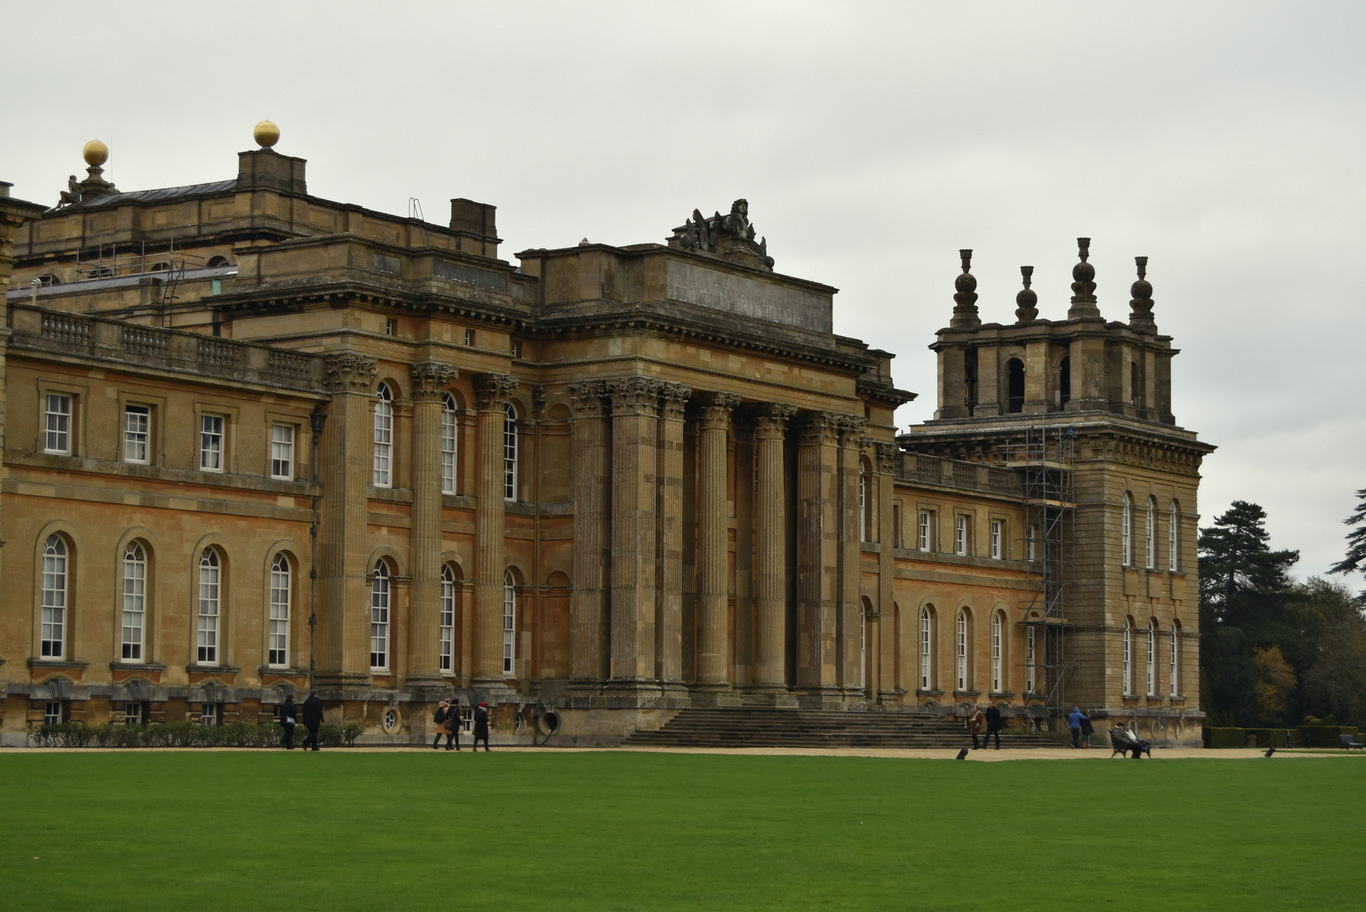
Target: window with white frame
point(961, 651)
point(54, 712)
point(281, 597)
point(1174, 660)
point(57, 424)
point(1031, 542)
point(137, 434)
point(1031, 659)
point(54, 596)
point(862, 502)
point(383, 475)
point(209, 612)
point(1151, 680)
point(1128, 653)
point(1150, 536)
point(960, 534)
point(1173, 539)
point(997, 652)
point(134, 714)
point(509, 622)
point(447, 619)
point(379, 617)
point(282, 451)
point(925, 537)
point(510, 453)
point(926, 649)
point(211, 443)
point(450, 430)
point(997, 533)
point(208, 714)
point(1125, 528)
point(134, 602)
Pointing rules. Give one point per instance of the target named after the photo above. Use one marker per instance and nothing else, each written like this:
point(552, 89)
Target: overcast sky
point(1223, 140)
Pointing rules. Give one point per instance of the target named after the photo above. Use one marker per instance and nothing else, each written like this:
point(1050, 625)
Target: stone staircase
point(801, 728)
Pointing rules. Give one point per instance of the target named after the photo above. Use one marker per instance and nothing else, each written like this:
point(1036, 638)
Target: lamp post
point(316, 419)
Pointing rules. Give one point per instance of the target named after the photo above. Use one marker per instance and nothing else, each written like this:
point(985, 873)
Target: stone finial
point(1083, 284)
point(1141, 307)
point(1026, 302)
point(965, 301)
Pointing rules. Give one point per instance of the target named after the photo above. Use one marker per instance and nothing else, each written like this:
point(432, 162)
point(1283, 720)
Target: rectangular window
point(137, 433)
point(57, 433)
point(449, 430)
point(469, 337)
point(134, 714)
point(282, 451)
point(208, 714)
point(925, 538)
point(447, 625)
point(1174, 666)
point(960, 534)
point(1031, 659)
point(1031, 542)
point(997, 533)
point(54, 712)
point(211, 443)
point(278, 647)
point(1172, 543)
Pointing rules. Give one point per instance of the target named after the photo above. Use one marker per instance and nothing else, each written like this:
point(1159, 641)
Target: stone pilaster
point(884, 683)
point(713, 654)
point(818, 557)
point(424, 628)
point(587, 614)
point(635, 537)
point(770, 545)
point(851, 643)
point(492, 392)
point(669, 627)
point(343, 631)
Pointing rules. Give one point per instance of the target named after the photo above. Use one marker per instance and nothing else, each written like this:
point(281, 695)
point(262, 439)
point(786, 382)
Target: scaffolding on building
point(1045, 460)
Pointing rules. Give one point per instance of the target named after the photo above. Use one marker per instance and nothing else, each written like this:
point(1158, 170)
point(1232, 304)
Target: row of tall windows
point(1150, 658)
point(962, 535)
point(962, 648)
point(1126, 536)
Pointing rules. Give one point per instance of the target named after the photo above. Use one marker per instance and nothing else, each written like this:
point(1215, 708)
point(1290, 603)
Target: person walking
point(447, 720)
point(993, 726)
point(481, 727)
point(313, 718)
point(1074, 720)
point(1087, 730)
point(975, 721)
point(289, 715)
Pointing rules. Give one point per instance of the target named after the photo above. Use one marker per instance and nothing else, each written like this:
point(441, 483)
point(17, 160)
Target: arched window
point(447, 619)
point(1173, 538)
point(1151, 681)
point(862, 501)
point(997, 653)
point(1150, 535)
point(1015, 385)
point(510, 453)
point(509, 623)
point(1128, 650)
point(55, 554)
point(281, 591)
point(449, 437)
point(1174, 659)
point(926, 648)
point(1126, 520)
point(210, 594)
point(379, 617)
point(384, 436)
point(218, 262)
point(134, 635)
point(961, 651)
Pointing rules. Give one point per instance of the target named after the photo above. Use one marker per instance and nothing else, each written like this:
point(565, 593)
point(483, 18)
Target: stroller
point(1124, 741)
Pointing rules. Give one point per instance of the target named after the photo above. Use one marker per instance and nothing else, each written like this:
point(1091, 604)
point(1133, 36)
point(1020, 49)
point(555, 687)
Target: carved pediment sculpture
point(730, 236)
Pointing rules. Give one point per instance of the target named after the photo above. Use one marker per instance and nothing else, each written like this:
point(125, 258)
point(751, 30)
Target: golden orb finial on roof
point(266, 134)
point(96, 153)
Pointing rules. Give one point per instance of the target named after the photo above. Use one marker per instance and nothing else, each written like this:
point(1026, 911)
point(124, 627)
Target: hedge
point(186, 734)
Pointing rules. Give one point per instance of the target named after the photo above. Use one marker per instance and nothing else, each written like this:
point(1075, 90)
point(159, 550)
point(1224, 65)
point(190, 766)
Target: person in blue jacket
point(1074, 720)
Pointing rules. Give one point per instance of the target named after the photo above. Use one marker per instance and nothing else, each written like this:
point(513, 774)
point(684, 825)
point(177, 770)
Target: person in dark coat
point(481, 726)
point(313, 718)
point(289, 715)
point(447, 721)
point(993, 726)
point(975, 721)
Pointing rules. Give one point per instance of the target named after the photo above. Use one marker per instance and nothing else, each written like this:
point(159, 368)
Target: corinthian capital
point(634, 396)
point(430, 378)
point(492, 391)
point(350, 373)
point(585, 397)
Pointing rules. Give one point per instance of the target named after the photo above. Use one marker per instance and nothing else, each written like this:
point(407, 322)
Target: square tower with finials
point(1081, 408)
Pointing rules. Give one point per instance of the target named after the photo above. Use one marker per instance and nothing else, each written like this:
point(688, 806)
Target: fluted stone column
point(850, 559)
point(587, 614)
point(770, 545)
point(492, 392)
point(635, 536)
point(669, 627)
point(424, 627)
point(884, 626)
point(713, 654)
point(343, 631)
point(818, 557)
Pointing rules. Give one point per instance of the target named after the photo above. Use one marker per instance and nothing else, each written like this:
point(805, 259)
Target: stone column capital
point(586, 398)
point(492, 391)
point(350, 373)
point(430, 379)
point(888, 458)
point(716, 409)
point(820, 428)
point(673, 397)
point(634, 396)
point(771, 418)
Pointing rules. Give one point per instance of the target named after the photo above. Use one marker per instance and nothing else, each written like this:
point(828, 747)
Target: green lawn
point(343, 830)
